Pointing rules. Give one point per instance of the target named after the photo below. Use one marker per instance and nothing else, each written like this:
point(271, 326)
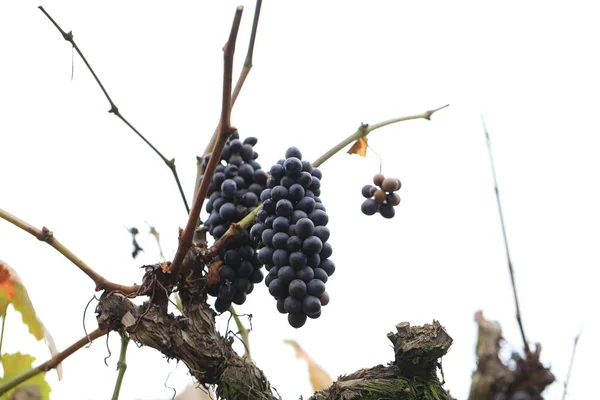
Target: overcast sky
point(320, 69)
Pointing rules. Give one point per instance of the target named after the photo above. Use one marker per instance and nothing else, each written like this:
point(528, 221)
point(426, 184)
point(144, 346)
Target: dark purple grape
point(306, 204)
point(326, 252)
point(222, 305)
point(280, 257)
point(280, 240)
point(280, 305)
point(297, 215)
point(315, 287)
point(296, 192)
point(319, 217)
point(304, 179)
point(265, 255)
point(298, 260)
point(306, 274)
point(279, 192)
point(294, 243)
point(227, 291)
point(276, 287)
point(232, 258)
point(284, 208)
point(286, 274)
point(292, 166)
point(304, 228)
point(281, 224)
point(387, 210)
point(297, 288)
point(297, 320)
point(228, 188)
point(317, 173)
point(293, 152)
point(267, 236)
point(311, 305)
point(366, 191)
point(312, 245)
point(328, 266)
point(242, 285)
point(257, 276)
point(369, 207)
point(245, 269)
point(292, 305)
point(321, 275)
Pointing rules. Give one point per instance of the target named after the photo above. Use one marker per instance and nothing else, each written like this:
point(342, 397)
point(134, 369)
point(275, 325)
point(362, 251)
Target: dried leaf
point(12, 291)
point(319, 379)
point(16, 364)
point(360, 147)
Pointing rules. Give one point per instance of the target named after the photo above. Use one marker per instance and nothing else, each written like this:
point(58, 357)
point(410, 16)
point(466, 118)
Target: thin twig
point(187, 236)
point(115, 110)
point(508, 259)
point(571, 364)
point(3, 322)
point(243, 331)
point(45, 235)
point(121, 365)
point(51, 363)
point(237, 227)
point(238, 87)
point(365, 129)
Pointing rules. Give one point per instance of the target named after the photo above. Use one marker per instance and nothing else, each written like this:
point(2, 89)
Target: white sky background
point(320, 69)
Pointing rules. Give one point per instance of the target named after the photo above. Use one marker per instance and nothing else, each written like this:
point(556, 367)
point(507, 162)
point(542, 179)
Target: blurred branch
point(571, 365)
point(508, 259)
point(115, 110)
point(45, 235)
point(51, 363)
point(187, 236)
point(121, 365)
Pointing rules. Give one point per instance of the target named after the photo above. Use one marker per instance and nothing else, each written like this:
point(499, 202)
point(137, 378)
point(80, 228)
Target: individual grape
point(222, 305)
point(280, 240)
point(228, 188)
point(293, 152)
point(257, 276)
point(297, 320)
point(296, 192)
point(239, 298)
point(280, 305)
point(378, 179)
point(227, 212)
point(387, 210)
point(276, 287)
point(319, 217)
point(297, 288)
point(366, 191)
point(322, 232)
point(390, 184)
point(328, 266)
point(267, 236)
point(307, 205)
point(369, 207)
point(280, 257)
point(321, 275)
point(281, 224)
point(379, 196)
point(292, 305)
point(227, 273)
point(294, 243)
point(304, 179)
point(317, 173)
point(393, 199)
point(298, 260)
point(232, 258)
point(306, 274)
point(324, 299)
point(312, 245)
point(279, 192)
point(297, 215)
point(311, 305)
point(226, 292)
point(284, 208)
point(315, 287)
point(286, 274)
point(265, 255)
point(313, 260)
point(245, 269)
point(326, 252)
point(292, 167)
point(304, 228)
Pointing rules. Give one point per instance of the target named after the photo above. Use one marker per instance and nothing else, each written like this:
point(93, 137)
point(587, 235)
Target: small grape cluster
point(381, 200)
point(234, 191)
point(293, 236)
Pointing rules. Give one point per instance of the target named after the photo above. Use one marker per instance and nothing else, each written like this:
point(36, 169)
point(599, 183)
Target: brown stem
point(115, 110)
point(236, 91)
point(51, 363)
point(504, 236)
point(45, 235)
point(187, 236)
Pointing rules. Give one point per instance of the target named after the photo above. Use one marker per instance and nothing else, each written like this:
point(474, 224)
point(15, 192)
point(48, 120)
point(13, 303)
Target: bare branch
point(238, 87)
point(51, 363)
point(45, 235)
point(187, 236)
point(115, 110)
point(508, 259)
point(571, 364)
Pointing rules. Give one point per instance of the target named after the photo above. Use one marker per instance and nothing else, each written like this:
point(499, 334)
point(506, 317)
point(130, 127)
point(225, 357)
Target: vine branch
point(365, 129)
point(187, 236)
point(46, 235)
point(51, 363)
point(236, 91)
point(114, 109)
point(508, 259)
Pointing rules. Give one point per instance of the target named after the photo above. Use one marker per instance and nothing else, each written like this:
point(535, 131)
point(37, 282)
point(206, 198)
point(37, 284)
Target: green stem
point(243, 333)
point(365, 129)
point(121, 365)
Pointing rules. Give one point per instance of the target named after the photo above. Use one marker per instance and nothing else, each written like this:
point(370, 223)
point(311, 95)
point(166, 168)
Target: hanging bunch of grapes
point(292, 234)
point(233, 192)
point(381, 198)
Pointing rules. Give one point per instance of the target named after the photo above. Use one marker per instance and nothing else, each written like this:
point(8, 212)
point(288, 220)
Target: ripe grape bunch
point(292, 235)
point(381, 200)
point(233, 192)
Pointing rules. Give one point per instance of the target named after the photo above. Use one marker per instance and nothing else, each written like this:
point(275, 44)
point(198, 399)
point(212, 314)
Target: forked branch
point(115, 110)
point(187, 236)
point(46, 235)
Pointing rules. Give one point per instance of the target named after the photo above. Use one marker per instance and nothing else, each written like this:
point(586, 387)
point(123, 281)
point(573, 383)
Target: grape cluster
point(293, 236)
point(233, 192)
point(381, 199)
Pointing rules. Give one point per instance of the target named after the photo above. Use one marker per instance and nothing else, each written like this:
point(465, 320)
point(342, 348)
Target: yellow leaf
point(360, 147)
point(12, 291)
point(16, 364)
point(319, 379)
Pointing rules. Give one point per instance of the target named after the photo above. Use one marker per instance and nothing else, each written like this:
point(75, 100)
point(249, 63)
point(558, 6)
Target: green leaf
point(16, 364)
